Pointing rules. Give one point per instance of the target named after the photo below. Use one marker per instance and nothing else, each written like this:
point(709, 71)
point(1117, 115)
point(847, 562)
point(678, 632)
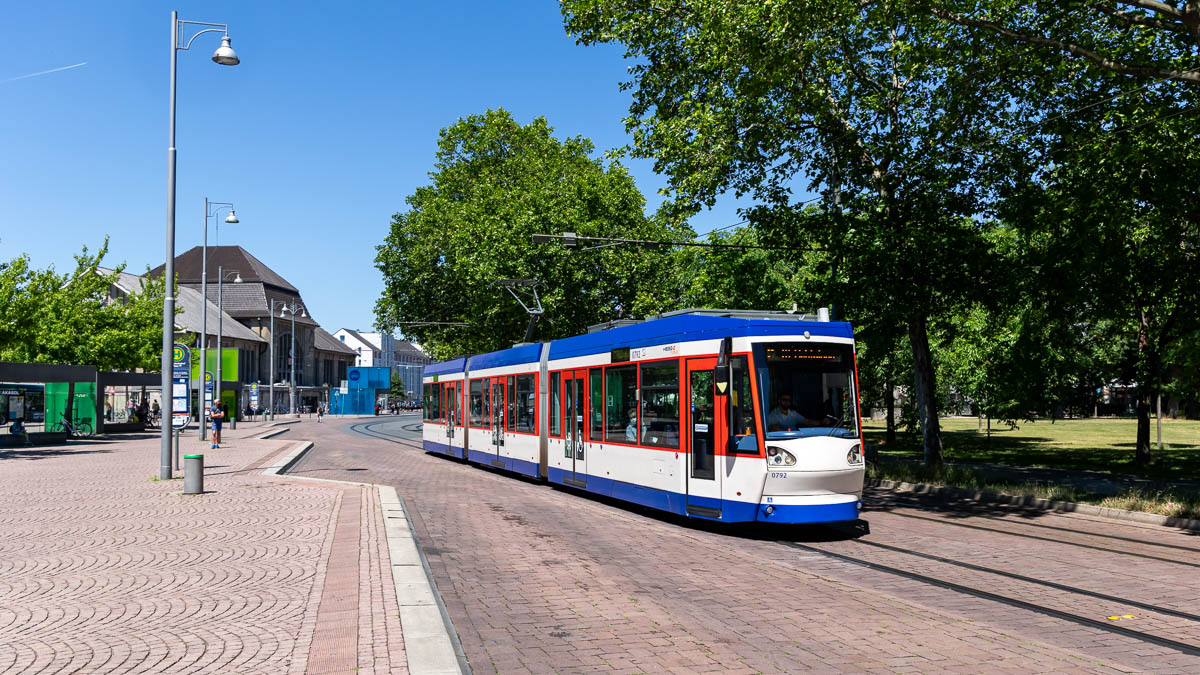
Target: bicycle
point(77, 429)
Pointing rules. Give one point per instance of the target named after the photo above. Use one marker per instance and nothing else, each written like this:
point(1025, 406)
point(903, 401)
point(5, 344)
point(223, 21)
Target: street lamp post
point(231, 218)
point(224, 56)
point(292, 309)
point(237, 279)
point(271, 369)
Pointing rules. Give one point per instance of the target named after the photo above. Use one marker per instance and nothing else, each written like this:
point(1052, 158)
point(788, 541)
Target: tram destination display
point(799, 353)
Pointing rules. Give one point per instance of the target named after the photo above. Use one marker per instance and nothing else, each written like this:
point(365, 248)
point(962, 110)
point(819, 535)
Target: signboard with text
point(181, 385)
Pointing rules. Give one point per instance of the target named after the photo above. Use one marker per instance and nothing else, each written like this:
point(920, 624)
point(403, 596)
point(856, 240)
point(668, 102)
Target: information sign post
point(254, 397)
point(181, 386)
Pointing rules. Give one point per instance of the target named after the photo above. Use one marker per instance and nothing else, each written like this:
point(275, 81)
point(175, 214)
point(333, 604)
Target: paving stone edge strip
point(430, 640)
point(1034, 502)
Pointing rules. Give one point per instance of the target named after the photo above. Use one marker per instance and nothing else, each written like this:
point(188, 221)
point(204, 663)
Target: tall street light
point(224, 56)
point(210, 209)
point(292, 309)
point(237, 279)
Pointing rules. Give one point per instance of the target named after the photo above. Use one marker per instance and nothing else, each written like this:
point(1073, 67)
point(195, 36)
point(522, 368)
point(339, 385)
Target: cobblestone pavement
point(103, 568)
point(538, 579)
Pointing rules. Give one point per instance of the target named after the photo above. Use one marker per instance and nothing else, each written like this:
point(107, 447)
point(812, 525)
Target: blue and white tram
point(714, 414)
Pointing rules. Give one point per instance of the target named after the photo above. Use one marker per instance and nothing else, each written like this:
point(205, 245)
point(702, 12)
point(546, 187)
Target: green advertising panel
point(229, 363)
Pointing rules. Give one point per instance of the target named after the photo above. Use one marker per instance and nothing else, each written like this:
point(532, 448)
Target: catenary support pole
point(203, 322)
point(168, 336)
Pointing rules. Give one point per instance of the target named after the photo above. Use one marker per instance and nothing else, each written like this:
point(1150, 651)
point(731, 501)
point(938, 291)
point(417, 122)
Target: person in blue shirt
point(216, 415)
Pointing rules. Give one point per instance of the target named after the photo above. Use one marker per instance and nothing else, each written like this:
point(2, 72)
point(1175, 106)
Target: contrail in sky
point(45, 72)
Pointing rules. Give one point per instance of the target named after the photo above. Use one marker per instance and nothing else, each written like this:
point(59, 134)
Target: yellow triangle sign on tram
point(721, 387)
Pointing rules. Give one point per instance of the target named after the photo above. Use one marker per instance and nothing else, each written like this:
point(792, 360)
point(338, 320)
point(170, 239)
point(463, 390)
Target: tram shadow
point(756, 531)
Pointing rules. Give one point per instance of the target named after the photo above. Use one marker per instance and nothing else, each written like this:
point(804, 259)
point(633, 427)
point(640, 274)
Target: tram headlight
point(777, 456)
point(855, 455)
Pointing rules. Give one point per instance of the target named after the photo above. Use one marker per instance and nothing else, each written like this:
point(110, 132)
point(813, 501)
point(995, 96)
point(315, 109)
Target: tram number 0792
point(775, 474)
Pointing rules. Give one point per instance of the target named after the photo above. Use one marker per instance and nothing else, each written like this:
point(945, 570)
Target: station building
point(260, 301)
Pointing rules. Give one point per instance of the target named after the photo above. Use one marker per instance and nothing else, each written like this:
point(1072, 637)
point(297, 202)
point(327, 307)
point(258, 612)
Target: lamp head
point(225, 54)
point(238, 279)
point(231, 218)
point(303, 314)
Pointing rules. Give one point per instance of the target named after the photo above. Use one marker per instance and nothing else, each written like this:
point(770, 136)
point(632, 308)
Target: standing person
point(143, 411)
point(320, 412)
point(216, 415)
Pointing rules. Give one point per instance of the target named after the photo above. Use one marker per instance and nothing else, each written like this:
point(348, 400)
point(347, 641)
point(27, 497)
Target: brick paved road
point(537, 579)
point(103, 569)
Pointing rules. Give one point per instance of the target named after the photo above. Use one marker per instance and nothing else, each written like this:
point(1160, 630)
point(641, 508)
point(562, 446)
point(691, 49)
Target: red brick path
point(103, 568)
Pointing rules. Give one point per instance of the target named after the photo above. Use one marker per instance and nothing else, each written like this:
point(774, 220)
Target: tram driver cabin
point(725, 415)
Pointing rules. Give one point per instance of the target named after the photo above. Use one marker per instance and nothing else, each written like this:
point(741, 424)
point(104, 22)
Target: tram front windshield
point(806, 389)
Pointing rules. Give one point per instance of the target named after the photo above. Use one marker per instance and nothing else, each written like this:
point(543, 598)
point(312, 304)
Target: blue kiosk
point(357, 396)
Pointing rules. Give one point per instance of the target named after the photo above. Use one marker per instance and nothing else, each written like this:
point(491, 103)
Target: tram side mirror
point(721, 372)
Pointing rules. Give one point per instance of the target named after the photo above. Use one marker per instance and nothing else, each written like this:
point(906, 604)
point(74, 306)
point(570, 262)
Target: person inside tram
point(631, 431)
point(784, 417)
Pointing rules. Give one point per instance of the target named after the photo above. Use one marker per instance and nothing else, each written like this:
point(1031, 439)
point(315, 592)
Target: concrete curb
point(289, 460)
point(430, 640)
point(1034, 502)
point(270, 434)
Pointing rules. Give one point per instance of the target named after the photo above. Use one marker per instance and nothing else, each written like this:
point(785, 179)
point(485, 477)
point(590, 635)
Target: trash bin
point(193, 474)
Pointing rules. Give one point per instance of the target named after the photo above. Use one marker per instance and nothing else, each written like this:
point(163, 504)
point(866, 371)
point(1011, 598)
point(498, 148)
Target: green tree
point(495, 183)
point(876, 103)
point(1115, 229)
point(47, 317)
point(1146, 39)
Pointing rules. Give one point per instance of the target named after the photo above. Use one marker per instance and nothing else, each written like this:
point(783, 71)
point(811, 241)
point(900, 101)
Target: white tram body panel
point(707, 414)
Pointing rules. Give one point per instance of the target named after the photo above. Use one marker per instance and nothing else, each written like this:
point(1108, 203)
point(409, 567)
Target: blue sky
point(329, 122)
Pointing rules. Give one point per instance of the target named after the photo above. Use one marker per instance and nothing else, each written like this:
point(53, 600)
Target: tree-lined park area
point(1000, 196)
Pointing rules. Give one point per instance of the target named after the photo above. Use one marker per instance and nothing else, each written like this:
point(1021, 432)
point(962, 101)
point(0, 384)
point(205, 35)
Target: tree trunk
point(889, 397)
point(1142, 454)
point(925, 389)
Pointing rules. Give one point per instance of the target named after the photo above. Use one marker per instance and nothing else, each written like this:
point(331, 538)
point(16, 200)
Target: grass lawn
point(1080, 445)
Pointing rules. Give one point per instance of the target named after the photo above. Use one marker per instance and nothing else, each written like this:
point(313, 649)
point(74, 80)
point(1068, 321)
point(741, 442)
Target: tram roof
point(676, 328)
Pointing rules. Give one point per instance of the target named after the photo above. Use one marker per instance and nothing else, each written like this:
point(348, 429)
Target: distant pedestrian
point(216, 415)
point(320, 412)
point(18, 429)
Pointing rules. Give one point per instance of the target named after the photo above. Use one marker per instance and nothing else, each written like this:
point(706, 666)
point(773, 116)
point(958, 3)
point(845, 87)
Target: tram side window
point(511, 397)
point(476, 403)
point(620, 397)
point(487, 404)
point(427, 395)
point(436, 407)
point(555, 406)
point(744, 421)
point(596, 407)
point(525, 413)
point(660, 404)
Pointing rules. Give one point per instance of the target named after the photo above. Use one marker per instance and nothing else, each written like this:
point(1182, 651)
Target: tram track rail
point(1109, 627)
point(1025, 535)
point(916, 504)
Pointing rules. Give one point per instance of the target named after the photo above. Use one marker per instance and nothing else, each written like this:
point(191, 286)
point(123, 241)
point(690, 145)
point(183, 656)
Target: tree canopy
point(495, 183)
point(47, 317)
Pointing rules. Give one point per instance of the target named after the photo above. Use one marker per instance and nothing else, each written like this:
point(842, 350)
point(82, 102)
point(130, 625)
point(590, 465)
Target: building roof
point(249, 298)
point(188, 266)
point(191, 318)
point(410, 348)
point(357, 336)
point(324, 341)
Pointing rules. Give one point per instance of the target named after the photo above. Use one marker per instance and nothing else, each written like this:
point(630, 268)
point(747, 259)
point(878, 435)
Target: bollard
point(193, 474)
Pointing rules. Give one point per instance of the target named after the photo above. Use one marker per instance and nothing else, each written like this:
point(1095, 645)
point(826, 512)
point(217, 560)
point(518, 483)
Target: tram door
point(703, 474)
point(497, 384)
point(453, 412)
point(575, 427)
